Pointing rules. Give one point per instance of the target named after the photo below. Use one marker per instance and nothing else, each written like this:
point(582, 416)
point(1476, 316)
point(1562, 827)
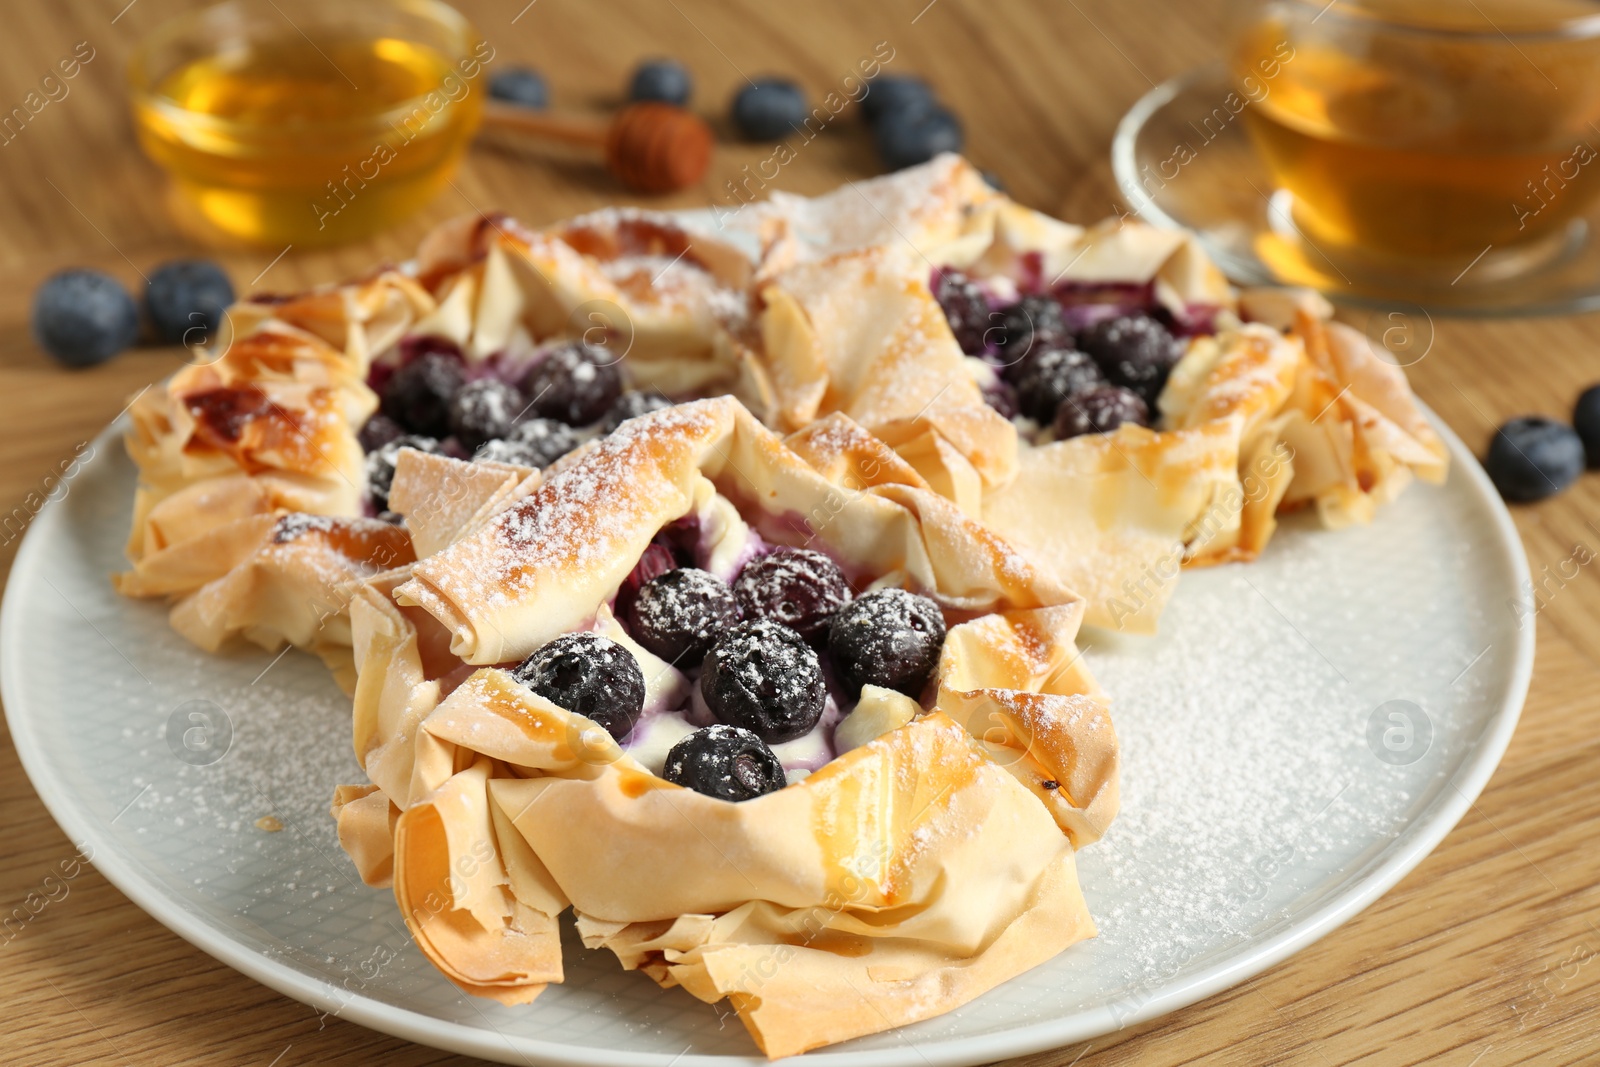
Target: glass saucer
point(1178, 165)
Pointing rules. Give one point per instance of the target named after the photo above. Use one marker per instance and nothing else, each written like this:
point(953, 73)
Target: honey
point(1432, 129)
point(312, 139)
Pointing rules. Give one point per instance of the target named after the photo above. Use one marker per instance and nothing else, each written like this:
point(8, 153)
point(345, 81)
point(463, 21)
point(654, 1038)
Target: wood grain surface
point(1482, 956)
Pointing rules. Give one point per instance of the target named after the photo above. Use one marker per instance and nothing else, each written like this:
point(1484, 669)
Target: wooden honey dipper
point(649, 147)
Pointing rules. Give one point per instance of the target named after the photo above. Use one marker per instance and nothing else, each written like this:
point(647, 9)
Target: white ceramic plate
point(1303, 732)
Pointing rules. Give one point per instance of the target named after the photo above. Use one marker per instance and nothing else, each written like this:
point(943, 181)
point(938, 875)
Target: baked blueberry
point(185, 300)
point(965, 309)
point(798, 587)
point(630, 406)
point(725, 762)
point(499, 450)
point(1044, 379)
point(1133, 350)
point(1534, 457)
point(417, 396)
point(575, 384)
point(548, 439)
point(763, 677)
point(677, 615)
point(589, 675)
point(894, 92)
point(1002, 396)
point(379, 431)
point(908, 136)
point(768, 109)
point(656, 560)
point(484, 410)
point(520, 85)
point(84, 317)
point(1586, 420)
point(1032, 324)
point(415, 346)
point(1100, 411)
point(889, 638)
point(665, 80)
point(380, 466)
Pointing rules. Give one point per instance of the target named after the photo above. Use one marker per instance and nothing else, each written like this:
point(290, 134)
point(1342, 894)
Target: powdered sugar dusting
point(652, 260)
point(299, 524)
point(588, 515)
point(1228, 776)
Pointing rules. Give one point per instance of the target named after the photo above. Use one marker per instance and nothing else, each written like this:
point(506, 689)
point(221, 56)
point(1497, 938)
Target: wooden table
point(1481, 957)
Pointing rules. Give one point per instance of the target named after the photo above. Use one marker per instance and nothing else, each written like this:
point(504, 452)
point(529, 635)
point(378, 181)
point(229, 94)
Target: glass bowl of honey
point(1442, 152)
point(305, 122)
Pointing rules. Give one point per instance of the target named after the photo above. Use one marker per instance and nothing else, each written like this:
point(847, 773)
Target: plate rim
point(1407, 850)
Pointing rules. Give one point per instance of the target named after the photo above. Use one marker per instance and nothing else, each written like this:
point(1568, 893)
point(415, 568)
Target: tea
point(1429, 128)
point(291, 138)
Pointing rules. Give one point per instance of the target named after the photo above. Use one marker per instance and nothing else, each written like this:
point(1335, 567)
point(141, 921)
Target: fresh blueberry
point(1100, 411)
point(915, 135)
point(1534, 457)
point(520, 85)
point(1045, 378)
point(768, 109)
point(1033, 323)
point(186, 300)
point(894, 92)
point(417, 396)
point(482, 411)
point(965, 309)
point(548, 439)
point(889, 638)
point(589, 675)
point(1134, 350)
point(575, 384)
point(83, 317)
point(725, 762)
point(677, 615)
point(665, 80)
point(379, 431)
point(992, 180)
point(380, 466)
point(763, 677)
point(1586, 420)
point(631, 405)
point(798, 587)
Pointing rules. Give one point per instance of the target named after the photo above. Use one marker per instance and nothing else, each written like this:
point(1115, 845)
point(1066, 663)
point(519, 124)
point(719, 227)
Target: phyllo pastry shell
point(270, 425)
point(541, 567)
point(275, 410)
point(271, 579)
point(1269, 406)
point(926, 856)
point(671, 302)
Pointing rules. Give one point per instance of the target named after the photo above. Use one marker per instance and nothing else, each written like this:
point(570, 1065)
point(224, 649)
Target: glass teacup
point(1426, 132)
